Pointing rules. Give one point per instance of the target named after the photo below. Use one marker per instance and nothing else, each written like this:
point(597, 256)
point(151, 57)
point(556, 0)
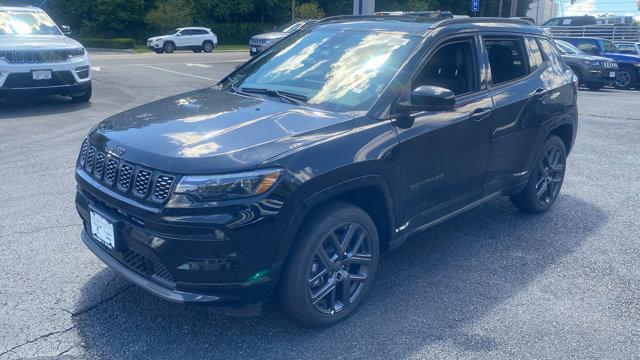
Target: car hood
point(40, 42)
point(158, 38)
point(270, 36)
point(213, 131)
point(634, 59)
point(585, 57)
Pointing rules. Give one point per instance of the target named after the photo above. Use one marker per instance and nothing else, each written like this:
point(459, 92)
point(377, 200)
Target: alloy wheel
point(340, 268)
point(623, 78)
point(550, 175)
point(208, 47)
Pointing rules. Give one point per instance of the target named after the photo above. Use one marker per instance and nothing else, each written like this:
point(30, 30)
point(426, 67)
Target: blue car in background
point(628, 73)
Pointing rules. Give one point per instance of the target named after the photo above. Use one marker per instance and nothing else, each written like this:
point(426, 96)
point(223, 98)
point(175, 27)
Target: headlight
point(228, 186)
point(592, 62)
point(76, 52)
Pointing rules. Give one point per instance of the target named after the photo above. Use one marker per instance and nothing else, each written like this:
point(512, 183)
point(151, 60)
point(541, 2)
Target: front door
point(445, 153)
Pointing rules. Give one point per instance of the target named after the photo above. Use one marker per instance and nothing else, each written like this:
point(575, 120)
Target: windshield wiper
point(293, 98)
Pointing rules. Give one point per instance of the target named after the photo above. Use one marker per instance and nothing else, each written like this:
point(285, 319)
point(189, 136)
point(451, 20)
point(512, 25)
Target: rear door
point(520, 91)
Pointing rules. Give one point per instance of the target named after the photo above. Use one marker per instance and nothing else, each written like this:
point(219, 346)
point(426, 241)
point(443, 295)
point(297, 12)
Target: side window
point(507, 58)
point(552, 22)
point(535, 56)
point(587, 46)
point(452, 67)
point(627, 49)
point(551, 54)
point(187, 32)
point(201, 32)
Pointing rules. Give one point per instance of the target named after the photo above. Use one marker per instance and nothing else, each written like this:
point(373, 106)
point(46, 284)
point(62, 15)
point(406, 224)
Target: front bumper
point(186, 259)
point(255, 49)
point(70, 77)
point(599, 75)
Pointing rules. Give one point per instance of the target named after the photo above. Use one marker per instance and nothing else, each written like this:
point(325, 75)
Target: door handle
point(480, 114)
point(540, 93)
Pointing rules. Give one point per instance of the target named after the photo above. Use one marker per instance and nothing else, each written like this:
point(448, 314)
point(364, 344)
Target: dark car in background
point(628, 73)
point(262, 41)
point(592, 71)
point(294, 173)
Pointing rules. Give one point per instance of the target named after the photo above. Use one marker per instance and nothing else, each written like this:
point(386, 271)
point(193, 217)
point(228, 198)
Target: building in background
point(364, 7)
point(543, 10)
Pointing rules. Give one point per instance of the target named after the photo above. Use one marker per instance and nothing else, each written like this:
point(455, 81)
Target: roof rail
point(475, 20)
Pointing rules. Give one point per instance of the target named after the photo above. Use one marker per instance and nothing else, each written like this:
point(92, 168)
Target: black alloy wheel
point(207, 47)
point(331, 265)
point(169, 48)
point(545, 180)
point(339, 268)
point(550, 175)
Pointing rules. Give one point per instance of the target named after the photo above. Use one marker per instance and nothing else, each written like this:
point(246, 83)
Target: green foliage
point(238, 33)
point(310, 10)
point(139, 19)
point(108, 43)
point(170, 14)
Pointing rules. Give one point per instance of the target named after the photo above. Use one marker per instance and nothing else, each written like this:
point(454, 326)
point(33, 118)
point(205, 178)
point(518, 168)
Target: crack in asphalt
point(103, 300)
point(36, 339)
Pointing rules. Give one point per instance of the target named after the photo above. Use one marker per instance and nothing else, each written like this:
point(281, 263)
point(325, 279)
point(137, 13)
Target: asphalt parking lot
point(491, 283)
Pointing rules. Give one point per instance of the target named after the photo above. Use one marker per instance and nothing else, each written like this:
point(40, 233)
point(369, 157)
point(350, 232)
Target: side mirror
point(429, 98)
point(179, 34)
point(66, 30)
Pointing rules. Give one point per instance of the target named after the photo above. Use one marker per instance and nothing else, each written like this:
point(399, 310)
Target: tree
point(310, 10)
point(170, 14)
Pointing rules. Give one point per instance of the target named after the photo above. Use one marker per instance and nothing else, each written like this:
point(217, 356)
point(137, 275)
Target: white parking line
point(179, 73)
point(198, 65)
point(95, 68)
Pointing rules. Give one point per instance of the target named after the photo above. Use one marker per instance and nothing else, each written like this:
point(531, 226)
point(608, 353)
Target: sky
point(597, 7)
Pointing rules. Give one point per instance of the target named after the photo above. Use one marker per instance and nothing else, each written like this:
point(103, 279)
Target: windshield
point(566, 48)
point(291, 27)
point(27, 22)
point(334, 70)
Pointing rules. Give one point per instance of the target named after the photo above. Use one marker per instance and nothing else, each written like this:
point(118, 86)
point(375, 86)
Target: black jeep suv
point(295, 172)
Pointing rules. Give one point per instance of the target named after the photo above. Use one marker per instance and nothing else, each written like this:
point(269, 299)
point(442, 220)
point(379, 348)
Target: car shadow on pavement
point(432, 291)
point(28, 106)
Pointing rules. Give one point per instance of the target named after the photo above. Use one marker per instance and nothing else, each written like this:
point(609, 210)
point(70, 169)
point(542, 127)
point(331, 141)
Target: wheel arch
point(566, 133)
point(370, 192)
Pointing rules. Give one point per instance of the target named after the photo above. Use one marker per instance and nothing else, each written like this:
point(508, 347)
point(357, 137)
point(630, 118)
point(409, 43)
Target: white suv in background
point(37, 58)
point(197, 39)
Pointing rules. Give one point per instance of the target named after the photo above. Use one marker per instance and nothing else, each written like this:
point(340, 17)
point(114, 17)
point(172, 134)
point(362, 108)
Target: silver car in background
point(262, 41)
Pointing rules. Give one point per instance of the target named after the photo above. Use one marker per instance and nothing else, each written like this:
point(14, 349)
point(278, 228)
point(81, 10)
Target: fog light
point(259, 275)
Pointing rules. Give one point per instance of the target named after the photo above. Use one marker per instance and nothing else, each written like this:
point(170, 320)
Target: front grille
point(609, 65)
point(143, 178)
point(111, 171)
point(137, 181)
point(124, 180)
point(36, 56)
point(136, 261)
point(258, 41)
point(98, 167)
point(25, 80)
point(90, 159)
point(146, 267)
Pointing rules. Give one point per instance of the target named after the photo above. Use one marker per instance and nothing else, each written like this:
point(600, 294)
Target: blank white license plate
point(612, 74)
point(41, 74)
point(102, 229)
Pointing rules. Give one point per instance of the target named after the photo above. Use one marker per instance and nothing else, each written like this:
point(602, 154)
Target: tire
point(207, 46)
point(533, 199)
point(169, 47)
point(578, 75)
point(625, 78)
point(313, 290)
point(84, 98)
